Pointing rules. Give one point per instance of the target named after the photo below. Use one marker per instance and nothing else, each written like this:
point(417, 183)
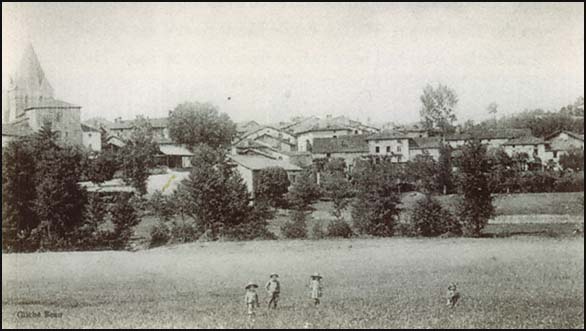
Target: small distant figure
point(453, 295)
point(315, 288)
point(273, 288)
point(251, 298)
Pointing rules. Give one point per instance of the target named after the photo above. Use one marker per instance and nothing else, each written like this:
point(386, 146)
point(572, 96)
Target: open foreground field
point(519, 282)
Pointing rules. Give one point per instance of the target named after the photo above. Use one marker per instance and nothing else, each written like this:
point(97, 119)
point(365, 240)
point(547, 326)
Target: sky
point(270, 62)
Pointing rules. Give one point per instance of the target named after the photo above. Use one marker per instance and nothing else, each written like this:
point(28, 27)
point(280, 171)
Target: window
point(398, 148)
point(555, 154)
point(89, 134)
point(355, 131)
point(293, 178)
point(388, 149)
point(328, 155)
point(535, 150)
point(377, 149)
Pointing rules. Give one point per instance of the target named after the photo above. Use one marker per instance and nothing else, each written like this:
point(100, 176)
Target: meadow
point(516, 282)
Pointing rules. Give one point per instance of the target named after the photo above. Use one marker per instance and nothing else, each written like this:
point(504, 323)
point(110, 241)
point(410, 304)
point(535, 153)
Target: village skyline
point(245, 66)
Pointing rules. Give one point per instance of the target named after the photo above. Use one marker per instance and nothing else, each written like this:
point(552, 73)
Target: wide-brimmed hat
point(316, 275)
point(250, 284)
point(274, 274)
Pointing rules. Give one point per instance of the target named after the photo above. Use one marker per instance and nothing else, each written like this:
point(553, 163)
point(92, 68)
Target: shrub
point(317, 230)
point(124, 217)
point(271, 186)
point(297, 227)
point(339, 228)
point(304, 191)
point(184, 231)
point(429, 219)
point(160, 234)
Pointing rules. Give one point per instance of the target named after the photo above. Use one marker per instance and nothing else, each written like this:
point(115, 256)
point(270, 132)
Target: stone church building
point(29, 103)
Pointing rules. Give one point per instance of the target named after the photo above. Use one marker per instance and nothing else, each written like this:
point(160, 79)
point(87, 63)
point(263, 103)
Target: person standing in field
point(315, 288)
point(251, 298)
point(273, 288)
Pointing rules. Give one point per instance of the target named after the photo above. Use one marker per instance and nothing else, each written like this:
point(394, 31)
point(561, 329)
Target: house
point(536, 148)
point(91, 138)
point(249, 167)
point(253, 147)
point(349, 148)
point(174, 156)
point(14, 131)
point(425, 145)
point(271, 136)
point(305, 138)
point(563, 141)
point(123, 128)
point(491, 138)
point(393, 145)
point(244, 128)
point(416, 130)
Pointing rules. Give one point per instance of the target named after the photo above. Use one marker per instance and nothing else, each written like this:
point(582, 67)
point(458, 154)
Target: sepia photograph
point(293, 165)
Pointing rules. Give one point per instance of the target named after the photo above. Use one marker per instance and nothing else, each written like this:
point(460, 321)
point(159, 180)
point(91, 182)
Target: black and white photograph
point(293, 165)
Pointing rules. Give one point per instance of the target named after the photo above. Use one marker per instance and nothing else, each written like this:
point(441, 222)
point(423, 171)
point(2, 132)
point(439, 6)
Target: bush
point(124, 217)
point(570, 182)
point(160, 234)
point(339, 228)
point(254, 230)
point(184, 231)
point(297, 227)
point(429, 219)
point(317, 230)
point(271, 186)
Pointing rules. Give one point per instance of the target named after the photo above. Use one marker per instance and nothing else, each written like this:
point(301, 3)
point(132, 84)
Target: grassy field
point(521, 282)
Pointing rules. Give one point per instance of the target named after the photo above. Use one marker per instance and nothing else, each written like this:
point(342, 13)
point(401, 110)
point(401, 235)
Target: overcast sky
point(274, 61)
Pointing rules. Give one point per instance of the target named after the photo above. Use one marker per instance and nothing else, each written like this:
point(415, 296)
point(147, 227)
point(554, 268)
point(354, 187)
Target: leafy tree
point(573, 160)
point(194, 123)
point(438, 108)
point(304, 191)
point(18, 192)
point(103, 167)
point(423, 171)
point(475, 207)
point(138, 155)
point(375, 209)
point(124, 217)
point(337, 187)
point(296, 228)
point(429, 219)
point(215, 196)
point(504, 173)
point(162, 206)
point(445, 176)
point(271, 186)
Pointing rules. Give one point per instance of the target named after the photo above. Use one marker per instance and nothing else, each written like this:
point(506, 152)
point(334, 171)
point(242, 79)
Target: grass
point(522, 282)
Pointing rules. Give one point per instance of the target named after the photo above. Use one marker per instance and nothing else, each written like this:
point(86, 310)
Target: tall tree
point(304, 191)
point(475, 207)
point(194, 123)
point(138, 155)
point(438, 108)
point(271, 186)
point(445, 175)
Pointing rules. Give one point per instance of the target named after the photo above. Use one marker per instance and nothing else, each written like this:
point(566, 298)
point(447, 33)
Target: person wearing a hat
point(273, 287)
point(251, 298)
point(315, 287)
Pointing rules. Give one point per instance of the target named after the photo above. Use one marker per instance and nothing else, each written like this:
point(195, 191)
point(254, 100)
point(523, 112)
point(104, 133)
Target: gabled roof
point(525, 141)
point(162, 122)
point(425, 143)
point(388, 135)
point(569, 133)
point(257, 162)
point(342, 144)
point(50, 103)
point(87, 128)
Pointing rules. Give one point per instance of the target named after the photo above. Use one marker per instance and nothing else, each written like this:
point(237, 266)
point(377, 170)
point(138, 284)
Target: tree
point(194, 123)
point(573, 159)
point(304, 191)
point(103, 167)
point(429, 219)
point(337, 187)
point(423, 172)
point(296, 228)
point(492, 109)
point(438, 109)
point(138, 155)
point(445, 176)
point(18, 191)
point(375, 209)
point(272, 185)
point(475, 208)
point(124, 217)
point(215, 196)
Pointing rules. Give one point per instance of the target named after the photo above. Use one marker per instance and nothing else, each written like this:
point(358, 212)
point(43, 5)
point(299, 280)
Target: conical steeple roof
point(30, 76)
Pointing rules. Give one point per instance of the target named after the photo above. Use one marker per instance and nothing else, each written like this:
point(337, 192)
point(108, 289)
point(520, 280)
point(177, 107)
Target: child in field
point(251, 298)
point(452, 295)
point(315, 287)
point(273, 288)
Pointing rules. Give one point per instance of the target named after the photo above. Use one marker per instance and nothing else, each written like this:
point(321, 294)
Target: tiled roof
point(525, 141)
point(175, 150)
point(425, 143)
point(342, 144)
point(569, 133)
point(87, 128)
point(387, 135)
point(255, 162)
point(490, 134)
point(317, 128)
point(16, 129)
point(128, 124)
point(52, 103)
